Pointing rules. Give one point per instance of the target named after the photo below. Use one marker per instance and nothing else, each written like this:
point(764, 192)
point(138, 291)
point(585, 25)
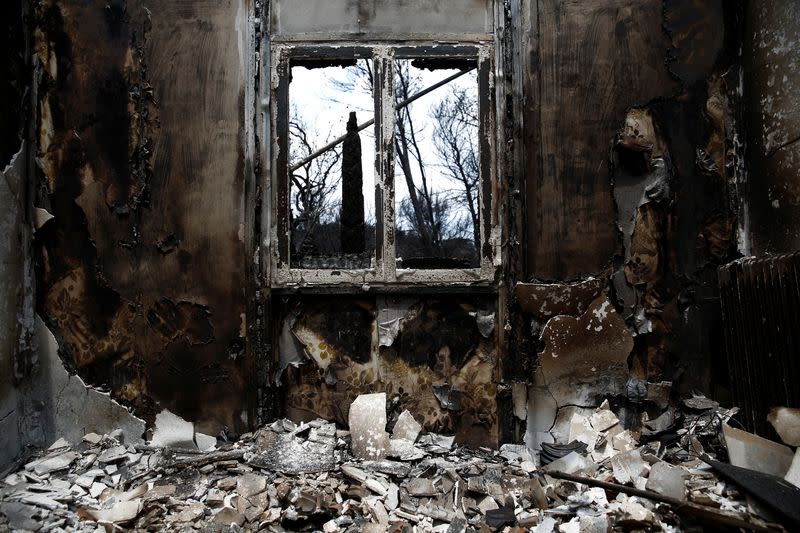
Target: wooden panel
point(592, 60)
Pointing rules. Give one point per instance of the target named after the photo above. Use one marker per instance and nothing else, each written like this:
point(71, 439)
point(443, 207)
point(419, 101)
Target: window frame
point(385, 272)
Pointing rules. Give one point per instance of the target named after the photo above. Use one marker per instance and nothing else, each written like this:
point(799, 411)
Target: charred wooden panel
point(141, 270)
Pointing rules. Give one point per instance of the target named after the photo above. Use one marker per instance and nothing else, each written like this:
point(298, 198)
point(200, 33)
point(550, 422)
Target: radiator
point(760, 298)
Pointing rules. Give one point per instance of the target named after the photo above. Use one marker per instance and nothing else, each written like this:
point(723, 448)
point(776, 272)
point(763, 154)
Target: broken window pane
point(331, 192)
point(437, 165)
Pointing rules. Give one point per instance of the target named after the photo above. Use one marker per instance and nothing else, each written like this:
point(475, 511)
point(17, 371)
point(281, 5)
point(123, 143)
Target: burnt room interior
point(400, 265)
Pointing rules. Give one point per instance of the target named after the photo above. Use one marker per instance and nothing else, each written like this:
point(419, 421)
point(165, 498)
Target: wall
point(11, 270)
point(13, 164)
point(630, 195)
point(143, 161)
point(634, 190)
point(772, 81)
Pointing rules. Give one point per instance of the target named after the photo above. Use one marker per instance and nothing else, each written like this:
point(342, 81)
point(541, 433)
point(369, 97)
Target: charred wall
point(435, 355)
point(771, 82)
point(631, 196)
point(142, 162)
point(634, 176)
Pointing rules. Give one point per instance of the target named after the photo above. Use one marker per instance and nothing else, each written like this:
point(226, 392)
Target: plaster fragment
point(367, 421)
point(406, 427)
point(173, 431)
point(40, 217)
point(756, 453)
point(786, 421)
point(667, 480)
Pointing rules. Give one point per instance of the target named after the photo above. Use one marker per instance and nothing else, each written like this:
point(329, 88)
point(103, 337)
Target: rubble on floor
point(311, 477)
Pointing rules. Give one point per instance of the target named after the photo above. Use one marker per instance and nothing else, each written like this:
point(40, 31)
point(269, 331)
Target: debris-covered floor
point(315, 477)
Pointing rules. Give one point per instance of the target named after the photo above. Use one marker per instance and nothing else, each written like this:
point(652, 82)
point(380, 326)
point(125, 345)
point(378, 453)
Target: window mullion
point(384, 106)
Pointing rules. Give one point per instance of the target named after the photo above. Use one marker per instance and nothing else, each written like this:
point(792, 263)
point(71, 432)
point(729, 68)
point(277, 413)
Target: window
point(382, 167)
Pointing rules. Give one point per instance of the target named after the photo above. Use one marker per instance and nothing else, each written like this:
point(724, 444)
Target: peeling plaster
point(439, 365)
point(584, 360)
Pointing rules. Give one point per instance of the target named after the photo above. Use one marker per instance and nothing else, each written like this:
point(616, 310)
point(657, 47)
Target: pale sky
point(325, 108)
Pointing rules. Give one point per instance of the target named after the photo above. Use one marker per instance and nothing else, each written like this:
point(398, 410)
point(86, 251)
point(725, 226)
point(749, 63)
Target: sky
point(325, 108)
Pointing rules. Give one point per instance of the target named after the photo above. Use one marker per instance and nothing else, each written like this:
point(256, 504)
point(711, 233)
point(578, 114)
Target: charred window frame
point(384, 270)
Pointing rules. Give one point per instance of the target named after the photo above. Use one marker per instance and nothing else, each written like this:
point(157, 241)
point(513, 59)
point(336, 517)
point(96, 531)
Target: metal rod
point(312, 156)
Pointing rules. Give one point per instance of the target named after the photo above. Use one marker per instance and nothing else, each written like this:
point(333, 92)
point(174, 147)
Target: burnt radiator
point(760, 300)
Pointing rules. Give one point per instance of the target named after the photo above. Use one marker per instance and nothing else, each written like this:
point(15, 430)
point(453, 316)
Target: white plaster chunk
point(631, 511)
point(594, 524)
point(40, 217)
point(59, 444)
point(756, 453)
point(97, 489)
point(172, 431)
point(487, 504)
point(367, 421)
point(515, 453)
point(547, 525)
point(581, 430)
point(628, 466)
point(786, 421)
point(667, 480)
point(205, 442)
point(603, 418)
point(406, 427)
point(378, 511)
point(250, 484)
point(571, 463)
point(121, 512)
point(92, 438)
point(606, 451)
point(793, 475)
point(392, 497)
point(52, 463)
point(624, 441)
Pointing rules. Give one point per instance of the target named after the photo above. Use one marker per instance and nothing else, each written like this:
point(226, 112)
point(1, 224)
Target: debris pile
point(315, 477)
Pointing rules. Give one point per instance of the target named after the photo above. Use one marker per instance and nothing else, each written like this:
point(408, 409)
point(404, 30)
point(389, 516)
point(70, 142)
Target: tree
point(456, 144)
point(407, 147)
point(312, 185)
point(431, 212)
